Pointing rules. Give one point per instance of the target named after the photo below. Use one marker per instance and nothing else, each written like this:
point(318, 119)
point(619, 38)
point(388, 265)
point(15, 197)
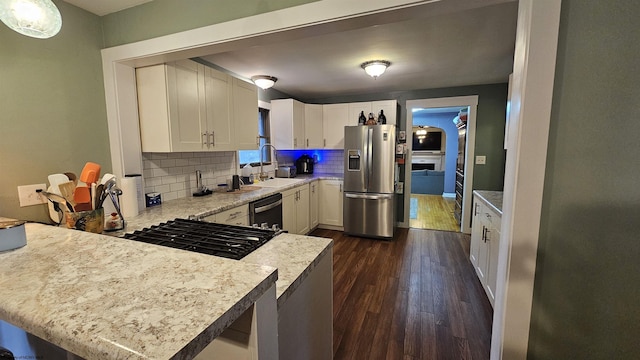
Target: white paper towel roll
point(129, 197)
point(139, 190)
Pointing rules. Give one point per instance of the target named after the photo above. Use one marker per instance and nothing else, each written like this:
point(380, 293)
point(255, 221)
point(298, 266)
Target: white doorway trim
point(456, 101)
point(528, 135)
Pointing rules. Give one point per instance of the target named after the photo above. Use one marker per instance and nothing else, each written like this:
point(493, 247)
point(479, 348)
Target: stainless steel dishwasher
point(266, 212)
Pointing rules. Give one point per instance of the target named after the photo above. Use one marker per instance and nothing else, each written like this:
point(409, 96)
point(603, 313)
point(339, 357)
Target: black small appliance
point(304, 164)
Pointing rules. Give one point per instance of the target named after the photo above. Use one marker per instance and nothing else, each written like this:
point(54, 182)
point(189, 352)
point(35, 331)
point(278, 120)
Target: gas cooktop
point(229, 241)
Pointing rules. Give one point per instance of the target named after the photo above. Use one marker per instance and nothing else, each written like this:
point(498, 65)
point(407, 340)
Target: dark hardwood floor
point(415, 297)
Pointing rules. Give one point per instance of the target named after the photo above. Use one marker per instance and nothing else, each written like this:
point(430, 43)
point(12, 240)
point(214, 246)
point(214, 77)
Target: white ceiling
point(426, 49)
point(104, 7)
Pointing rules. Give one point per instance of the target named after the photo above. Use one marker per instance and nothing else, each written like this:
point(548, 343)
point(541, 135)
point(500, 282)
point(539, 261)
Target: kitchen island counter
point(103, 297)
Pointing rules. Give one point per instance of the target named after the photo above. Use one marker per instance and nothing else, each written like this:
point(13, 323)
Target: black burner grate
point(229, 241)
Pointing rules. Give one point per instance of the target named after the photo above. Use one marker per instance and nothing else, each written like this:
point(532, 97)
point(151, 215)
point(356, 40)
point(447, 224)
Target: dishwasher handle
point(267, 207)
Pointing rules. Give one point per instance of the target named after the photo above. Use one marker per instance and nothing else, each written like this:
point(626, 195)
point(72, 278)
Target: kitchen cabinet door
point(314, 191)
point(289, 210)
point(484, 247)
point(169, 107)
point(355, 109)
point(313, 126)
point(302, 210)
point(287, 124)
point(295, 210)
point(245, 115)
point(493, 241)
point(330, 203)
point(186, 106)
point(477, 234)
point(219, 129)
point(334, 118)
point(390, 108)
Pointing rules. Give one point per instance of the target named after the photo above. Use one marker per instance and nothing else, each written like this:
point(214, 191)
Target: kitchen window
point(253, 156)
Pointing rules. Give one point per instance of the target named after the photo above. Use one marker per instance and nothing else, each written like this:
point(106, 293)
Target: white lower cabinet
point(330, 203)
point(314, 191)
point(236, 216)
point(295, 210)
point(484, 247)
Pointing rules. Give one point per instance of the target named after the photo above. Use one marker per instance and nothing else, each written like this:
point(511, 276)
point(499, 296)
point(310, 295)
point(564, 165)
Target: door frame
point(471, 102)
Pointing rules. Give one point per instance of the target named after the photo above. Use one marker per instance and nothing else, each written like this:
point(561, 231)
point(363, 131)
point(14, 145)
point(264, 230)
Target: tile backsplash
point(329, 161)
point(173, 174)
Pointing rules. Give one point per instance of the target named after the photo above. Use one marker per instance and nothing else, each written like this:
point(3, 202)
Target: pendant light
point(375, 68)
point(264, 81)
point(35, 18)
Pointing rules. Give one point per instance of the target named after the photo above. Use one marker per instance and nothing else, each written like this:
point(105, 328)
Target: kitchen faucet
point(263, 175)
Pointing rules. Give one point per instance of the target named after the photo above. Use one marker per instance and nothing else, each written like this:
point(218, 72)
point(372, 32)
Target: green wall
point(53, 116)
point(490, 120)
point(587, 275)
point(163, 17)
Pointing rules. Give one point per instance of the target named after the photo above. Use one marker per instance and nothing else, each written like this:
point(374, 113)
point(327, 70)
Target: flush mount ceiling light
point(375, 68)
point(36, 18)
point(264, 81)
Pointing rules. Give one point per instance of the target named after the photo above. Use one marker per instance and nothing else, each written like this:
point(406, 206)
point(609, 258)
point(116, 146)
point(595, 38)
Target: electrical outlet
point(481, 160)
point(28, 196)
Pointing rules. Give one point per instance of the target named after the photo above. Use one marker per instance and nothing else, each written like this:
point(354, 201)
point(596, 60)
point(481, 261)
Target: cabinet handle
point(475, 212)
point(307, 142)
point(486, 235)
point(257, 141)
point(483, 233)
point(324, 142)
point(295, 142)
point(340, 187)
point(204, 139)
point(212, 139)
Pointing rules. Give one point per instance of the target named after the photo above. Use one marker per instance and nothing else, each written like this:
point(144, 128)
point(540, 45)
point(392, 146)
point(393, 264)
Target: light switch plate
point(28, 196)
point(481, 160)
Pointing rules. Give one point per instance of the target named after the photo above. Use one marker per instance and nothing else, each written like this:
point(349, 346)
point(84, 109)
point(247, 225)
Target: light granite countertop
point(102, 297)
point(491, 198)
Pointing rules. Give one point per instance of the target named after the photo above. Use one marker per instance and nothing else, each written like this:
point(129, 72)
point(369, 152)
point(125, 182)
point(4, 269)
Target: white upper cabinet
point(320, 126)
point(355, 109)
point(390, 108)
point(288, 124)
point(334, 118)
point(186, 106)
point(313, 126)
point(169, 107)
point(245, 115)
point(218, 90)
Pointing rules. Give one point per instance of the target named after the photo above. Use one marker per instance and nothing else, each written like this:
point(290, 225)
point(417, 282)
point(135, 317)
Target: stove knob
point(275, 227)
point(264, 225)
point(255, 226)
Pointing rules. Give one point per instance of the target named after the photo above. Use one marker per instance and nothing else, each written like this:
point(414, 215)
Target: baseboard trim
point(449, 195)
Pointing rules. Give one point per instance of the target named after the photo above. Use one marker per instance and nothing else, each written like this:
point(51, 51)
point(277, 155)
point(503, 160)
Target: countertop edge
point(491, 198)
point(223, 322)
point(305, 273)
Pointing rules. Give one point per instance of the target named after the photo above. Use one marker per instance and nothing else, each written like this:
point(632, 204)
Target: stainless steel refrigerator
point(369, 180)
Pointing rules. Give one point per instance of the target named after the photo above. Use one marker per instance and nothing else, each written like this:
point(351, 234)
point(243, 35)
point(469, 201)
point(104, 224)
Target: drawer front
point(236, 216)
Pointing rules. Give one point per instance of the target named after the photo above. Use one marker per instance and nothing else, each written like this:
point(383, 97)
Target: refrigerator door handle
point(368, 196)
point(369, 156)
